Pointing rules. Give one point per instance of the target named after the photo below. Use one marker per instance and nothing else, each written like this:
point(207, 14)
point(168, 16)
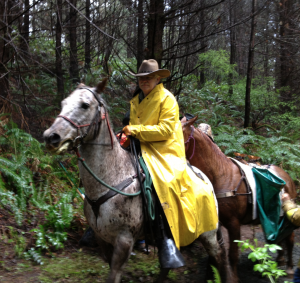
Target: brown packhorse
point(225, 176)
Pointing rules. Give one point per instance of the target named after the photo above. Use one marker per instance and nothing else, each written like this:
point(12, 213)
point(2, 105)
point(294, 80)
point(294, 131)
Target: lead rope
point(99, 180)
point(144, 199)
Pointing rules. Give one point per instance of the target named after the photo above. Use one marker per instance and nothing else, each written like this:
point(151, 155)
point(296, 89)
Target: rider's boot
point(168, 254)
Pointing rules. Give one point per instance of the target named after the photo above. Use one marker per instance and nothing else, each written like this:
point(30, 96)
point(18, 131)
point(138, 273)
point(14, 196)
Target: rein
point(95, 204)
point(99, 180)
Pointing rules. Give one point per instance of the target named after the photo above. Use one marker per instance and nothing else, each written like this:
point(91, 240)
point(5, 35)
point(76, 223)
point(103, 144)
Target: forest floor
point(81, 264)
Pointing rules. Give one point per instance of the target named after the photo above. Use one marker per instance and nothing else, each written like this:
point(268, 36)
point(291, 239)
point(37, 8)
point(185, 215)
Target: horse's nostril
point(54, 138)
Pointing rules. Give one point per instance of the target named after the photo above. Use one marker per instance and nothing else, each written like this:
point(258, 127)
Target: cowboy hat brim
point(163, 73)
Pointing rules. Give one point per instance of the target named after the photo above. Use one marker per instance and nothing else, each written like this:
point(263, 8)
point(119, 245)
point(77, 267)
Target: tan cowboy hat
point(151, 67)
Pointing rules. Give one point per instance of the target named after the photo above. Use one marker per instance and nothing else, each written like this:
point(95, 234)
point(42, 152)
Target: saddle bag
point(268, 188)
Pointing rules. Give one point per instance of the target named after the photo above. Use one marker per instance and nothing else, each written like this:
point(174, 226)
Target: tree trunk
point(140, 34)
point(129, 24)
point(287, 52)
point(25, 29)
point(250, 69)
point(58, 53)
point(232, 45)
point(74, 72)
point(5, 50)
point(87, 37)
point(202, 42)
point(156, 24)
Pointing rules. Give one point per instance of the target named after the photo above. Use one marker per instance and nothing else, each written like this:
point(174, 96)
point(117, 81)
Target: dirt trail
point(77, 264)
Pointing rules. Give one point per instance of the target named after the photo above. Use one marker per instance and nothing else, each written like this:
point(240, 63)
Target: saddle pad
point(251, 181)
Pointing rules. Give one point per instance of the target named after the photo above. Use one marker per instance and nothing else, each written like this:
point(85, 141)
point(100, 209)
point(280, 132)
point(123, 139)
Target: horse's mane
point(221, 157)
point(98, 118)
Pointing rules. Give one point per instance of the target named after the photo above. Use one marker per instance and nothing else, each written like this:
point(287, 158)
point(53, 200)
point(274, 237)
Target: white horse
point(118, 221)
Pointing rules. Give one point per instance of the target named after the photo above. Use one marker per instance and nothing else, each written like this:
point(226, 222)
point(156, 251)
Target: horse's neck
point(210, 158)
point(110, 165)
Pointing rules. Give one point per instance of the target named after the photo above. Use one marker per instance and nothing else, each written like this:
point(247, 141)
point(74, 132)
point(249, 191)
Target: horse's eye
point(85, 105)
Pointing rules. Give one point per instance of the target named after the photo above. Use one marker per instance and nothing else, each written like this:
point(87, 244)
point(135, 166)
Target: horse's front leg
point(290, 245)
point(121, 252)
point(234, 231)
point(214, 246)
point(280, 257)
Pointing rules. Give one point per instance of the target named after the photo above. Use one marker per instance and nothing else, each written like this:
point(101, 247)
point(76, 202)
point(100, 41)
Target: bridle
point(117, 189)
point(79, 139)
point(191, 137)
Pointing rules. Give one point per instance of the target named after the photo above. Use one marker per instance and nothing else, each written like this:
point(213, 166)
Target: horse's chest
point(115, 215)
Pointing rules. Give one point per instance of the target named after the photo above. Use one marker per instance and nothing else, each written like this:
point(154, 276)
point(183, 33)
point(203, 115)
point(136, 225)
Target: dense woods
point(234, 63)
point(48, 46)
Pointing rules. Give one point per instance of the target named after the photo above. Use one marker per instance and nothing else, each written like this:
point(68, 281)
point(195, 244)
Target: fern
point(10, 202)
point(22, 154)
point(217, 278)
point(40, 197)
point(18, 240)
point(280, 150)
point(35, 255)
point(57, 238)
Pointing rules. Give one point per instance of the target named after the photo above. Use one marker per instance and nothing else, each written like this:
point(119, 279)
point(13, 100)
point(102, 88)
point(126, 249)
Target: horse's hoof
point(88, 239)
point(290, 273)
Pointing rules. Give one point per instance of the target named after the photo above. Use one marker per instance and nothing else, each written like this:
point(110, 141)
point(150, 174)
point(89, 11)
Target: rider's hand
point(127, 130)
point(285, 197)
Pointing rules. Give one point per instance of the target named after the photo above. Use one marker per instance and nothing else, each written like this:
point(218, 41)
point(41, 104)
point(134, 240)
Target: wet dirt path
point(77, 264)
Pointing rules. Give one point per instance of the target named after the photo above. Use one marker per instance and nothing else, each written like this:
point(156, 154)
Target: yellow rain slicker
point(187, 201)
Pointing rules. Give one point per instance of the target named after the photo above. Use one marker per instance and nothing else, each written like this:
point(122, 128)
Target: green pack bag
point(268, 187)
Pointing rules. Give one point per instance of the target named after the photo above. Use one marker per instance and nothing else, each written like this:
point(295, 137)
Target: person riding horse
point(154, 120)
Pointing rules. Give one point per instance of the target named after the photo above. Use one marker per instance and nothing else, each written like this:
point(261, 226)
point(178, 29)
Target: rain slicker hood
point(187, 201)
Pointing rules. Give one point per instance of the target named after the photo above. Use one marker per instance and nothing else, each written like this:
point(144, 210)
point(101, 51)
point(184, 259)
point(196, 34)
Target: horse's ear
point(101, 86)
point(191, 121)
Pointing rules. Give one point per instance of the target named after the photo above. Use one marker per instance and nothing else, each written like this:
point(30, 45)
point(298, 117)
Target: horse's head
point(79, 118)
point(186, 126)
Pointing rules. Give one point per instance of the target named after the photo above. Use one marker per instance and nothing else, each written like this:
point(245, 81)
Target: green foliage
point(58, 218)
point(208, 103)
point(34, 255)
point(216, 64)
point(225, 114)
point(76, 268)
point(215, 106)
point(148, 268)
point(280, 151)
point(18, 240)
point(265, 265)
point(22, 160)
point(217, 278)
